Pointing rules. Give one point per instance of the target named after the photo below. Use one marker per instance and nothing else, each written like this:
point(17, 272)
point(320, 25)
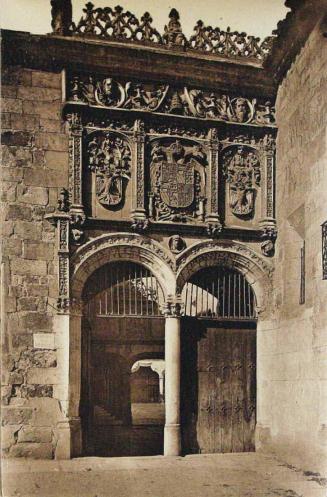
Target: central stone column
point(172, 436)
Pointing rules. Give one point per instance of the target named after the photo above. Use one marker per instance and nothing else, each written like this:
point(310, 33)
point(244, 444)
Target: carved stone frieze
point(176, 130)
point(109, 158)
point(162, 98)
point(242, 171)
point(177, 181)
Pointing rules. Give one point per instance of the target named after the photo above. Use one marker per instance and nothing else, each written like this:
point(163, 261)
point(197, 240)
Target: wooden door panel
point(225, 386)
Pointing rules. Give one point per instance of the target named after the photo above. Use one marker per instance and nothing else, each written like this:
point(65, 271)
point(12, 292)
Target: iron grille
point(123, 289)
point(219, 293)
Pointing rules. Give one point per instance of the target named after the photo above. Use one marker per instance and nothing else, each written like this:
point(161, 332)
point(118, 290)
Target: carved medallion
point(242, 172)
point(109, 157)
point(177, 177)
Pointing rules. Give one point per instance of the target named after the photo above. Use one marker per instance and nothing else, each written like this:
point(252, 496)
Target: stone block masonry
point(35, 168)
point(293, 372)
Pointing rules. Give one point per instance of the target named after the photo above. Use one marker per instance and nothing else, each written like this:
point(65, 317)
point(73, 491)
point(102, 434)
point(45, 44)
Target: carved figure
point(177, 176)
point(137, 97)
point(268, 236)
point(109, 93)
point(265, 114)
point(63, 200)
point(240, 110)
point(173, 34)
point(61, 14)
point(176, 244)
point(109, 157)
point(88, 91)
point(242, 171)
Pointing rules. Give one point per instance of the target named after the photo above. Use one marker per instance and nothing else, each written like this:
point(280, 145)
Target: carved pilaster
point(268, 147)
point(214, 226)
point(76, 211)
point(61, 220)
point(138, 214)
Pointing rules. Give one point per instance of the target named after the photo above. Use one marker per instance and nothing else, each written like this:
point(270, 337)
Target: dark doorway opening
point(123, 327)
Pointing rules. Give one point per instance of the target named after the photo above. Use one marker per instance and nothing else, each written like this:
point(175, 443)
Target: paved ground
point(218, 475)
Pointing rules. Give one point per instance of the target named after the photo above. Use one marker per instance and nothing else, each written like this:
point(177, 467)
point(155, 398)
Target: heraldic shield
point(177, 184)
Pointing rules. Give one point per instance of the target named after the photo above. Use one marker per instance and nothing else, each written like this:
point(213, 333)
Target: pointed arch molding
point(122, 246)
point(233, 255)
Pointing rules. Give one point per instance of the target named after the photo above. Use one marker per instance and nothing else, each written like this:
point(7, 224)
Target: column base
point(69, 439)
point(172, 440)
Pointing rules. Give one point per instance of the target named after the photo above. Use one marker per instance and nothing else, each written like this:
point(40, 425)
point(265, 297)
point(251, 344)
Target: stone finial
point(61, 16)
point(173, 32)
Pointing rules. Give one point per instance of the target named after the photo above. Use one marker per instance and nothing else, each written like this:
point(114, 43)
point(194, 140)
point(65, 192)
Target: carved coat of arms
point(242, 171)
point(109, 157)
point(177, 184)
point(177, 175)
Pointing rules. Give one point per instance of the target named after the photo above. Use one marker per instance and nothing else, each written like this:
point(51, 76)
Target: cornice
point(56, 52)
point(292, 34)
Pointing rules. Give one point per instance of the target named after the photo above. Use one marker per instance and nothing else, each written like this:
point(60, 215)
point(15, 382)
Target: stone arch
point(233, 255)
point(122, 247)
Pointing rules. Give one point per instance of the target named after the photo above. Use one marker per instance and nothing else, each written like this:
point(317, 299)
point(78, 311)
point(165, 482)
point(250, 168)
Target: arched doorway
point(218, 362)
point(122, 323)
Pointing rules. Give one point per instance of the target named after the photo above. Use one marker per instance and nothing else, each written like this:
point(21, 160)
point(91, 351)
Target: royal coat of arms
point(177, 175)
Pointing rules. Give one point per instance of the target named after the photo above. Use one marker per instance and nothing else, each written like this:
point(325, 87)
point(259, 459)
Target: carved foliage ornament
point(152, 97)
point(177, 179)
point(242, 172)
point(115, 24)
point(109, 157)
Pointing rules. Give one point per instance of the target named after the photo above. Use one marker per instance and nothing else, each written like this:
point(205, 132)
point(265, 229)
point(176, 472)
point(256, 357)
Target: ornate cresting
point(115, 24)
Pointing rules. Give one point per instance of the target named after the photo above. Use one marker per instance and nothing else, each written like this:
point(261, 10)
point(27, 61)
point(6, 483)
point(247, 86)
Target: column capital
point(172, 310)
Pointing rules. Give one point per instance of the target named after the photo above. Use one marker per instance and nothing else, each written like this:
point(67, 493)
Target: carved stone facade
point(208, 173)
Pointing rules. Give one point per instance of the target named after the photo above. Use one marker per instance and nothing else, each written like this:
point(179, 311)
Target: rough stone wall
point(35, 167)
point(293, 366)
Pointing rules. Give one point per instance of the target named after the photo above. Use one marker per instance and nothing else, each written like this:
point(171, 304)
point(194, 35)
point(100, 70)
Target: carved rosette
point(177, 180)
point(242, 171)
point(109, 158)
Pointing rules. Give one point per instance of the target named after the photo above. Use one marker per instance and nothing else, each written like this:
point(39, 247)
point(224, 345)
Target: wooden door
point(218, 387)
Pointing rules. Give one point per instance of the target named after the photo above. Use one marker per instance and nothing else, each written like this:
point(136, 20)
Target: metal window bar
point(121, 289)
point(219, 293)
